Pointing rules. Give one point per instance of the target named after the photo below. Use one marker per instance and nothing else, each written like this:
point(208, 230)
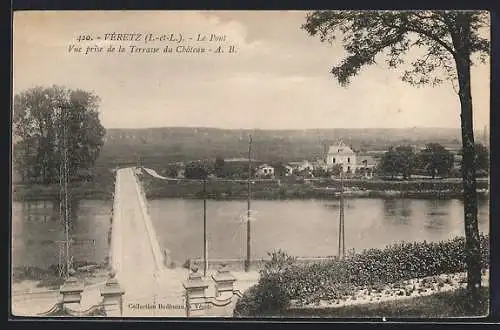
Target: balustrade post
point(112, 299)
point(195, 288)
point(71, 292)
point(224, 280)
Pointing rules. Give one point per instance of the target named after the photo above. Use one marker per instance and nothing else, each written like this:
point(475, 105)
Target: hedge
point(370, 269)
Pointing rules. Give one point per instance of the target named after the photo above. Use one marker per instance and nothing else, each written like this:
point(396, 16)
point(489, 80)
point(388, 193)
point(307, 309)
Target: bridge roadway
point(136, 257)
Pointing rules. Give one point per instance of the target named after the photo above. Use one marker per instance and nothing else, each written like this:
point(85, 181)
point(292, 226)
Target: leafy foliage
point(40, 116)
point(268, 296)
point(398, 160)
point(371, 269)
point(436, 159)
point(366, 34)
point(446, 41)
point(198, 170)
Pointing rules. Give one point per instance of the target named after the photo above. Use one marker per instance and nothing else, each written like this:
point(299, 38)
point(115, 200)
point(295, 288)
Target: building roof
point(340, 149)
point(369, 160)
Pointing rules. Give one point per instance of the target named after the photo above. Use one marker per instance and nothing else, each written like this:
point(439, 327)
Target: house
point(343, 155)
point(288, 170)
point(302, 166)
point(265, 170)
point(366, 165)
point(350, 161)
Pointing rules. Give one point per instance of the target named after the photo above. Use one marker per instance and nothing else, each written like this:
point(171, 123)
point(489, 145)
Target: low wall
point(153, 239)
point(255, 265)
point(115, 253)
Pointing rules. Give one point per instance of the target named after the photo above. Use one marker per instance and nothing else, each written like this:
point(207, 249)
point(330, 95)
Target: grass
point(94, 189)
point(440, 305)
point(49, 278)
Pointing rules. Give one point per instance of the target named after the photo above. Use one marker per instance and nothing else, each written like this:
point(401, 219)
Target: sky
point(279, 78)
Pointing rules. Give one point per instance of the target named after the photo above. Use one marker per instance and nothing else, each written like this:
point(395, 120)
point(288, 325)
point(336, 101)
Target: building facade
point(343, 155)
point(265, 171)
point(349, 161)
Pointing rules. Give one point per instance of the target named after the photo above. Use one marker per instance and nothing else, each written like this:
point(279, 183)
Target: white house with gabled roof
point(343, 155)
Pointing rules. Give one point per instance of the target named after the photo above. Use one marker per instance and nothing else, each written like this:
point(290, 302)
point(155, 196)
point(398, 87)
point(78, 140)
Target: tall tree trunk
point(472, 244)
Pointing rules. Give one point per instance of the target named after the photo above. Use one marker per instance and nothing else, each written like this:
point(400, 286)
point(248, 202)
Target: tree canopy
point(436, 159)
point(48, 120)
point(391, 34)
point(443, 45)
point(399, 160)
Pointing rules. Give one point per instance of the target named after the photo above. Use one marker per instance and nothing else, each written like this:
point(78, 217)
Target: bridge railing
point(153, 239)
point(116, 242)
point(71, 291)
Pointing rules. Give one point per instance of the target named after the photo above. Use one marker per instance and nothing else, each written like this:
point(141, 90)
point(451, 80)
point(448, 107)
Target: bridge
point(138, 260)
point(136, 256)
point(151, 289)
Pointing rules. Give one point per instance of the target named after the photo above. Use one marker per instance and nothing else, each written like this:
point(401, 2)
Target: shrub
point(283, 280)
point(271, 294)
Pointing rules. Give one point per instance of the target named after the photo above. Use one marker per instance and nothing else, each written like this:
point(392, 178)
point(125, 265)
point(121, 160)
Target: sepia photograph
point(250, 164)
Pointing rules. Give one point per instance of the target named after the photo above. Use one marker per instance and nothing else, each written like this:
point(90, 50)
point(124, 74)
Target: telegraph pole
point(247, 261)
point(205, 242)
point(341, 221)
point(63, 183)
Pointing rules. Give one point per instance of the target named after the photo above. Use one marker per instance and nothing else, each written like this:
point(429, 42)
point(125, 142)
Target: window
point(265, 171)
point(333, 160)
point(348, 169)
point(348, 159)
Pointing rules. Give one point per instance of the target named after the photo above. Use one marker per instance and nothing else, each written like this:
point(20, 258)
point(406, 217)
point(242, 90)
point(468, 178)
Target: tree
point(47, 120)
point(398, 160)
point(436, 159)
point(219, 167)
point(335, 170)
point(197, 170)
point(320, 172)
point(449, 40)
point(172, 170)
point(388, 163)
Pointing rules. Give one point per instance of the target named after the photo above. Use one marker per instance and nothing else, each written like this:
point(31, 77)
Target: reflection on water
point(397, 211)
point(300, 227)
point(303, 227)
point(38, 232)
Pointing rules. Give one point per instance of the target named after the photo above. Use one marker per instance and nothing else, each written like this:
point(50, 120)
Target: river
point(300, 227)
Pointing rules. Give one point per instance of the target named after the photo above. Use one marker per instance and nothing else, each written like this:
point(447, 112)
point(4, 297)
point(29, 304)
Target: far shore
point(430, 189)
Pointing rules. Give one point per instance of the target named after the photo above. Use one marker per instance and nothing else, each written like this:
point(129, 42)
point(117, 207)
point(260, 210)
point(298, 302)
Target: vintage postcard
point(249, 164)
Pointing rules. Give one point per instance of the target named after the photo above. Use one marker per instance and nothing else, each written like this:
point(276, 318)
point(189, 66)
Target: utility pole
point(247, 261)
point(341, 221)
point(205, 243)
point(63, 182)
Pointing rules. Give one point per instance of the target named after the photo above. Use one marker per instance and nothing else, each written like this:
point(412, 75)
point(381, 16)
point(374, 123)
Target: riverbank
point(35, 279)
point(262, 189)
point(78, 190)
point(309, 189)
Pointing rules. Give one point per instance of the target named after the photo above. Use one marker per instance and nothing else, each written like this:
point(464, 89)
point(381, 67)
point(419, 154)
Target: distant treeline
point(163, 145)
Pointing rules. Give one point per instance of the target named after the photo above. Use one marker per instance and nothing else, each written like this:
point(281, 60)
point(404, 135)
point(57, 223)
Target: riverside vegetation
point(283, 280)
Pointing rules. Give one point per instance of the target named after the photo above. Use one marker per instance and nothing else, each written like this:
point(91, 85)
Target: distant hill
point(157, 146)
